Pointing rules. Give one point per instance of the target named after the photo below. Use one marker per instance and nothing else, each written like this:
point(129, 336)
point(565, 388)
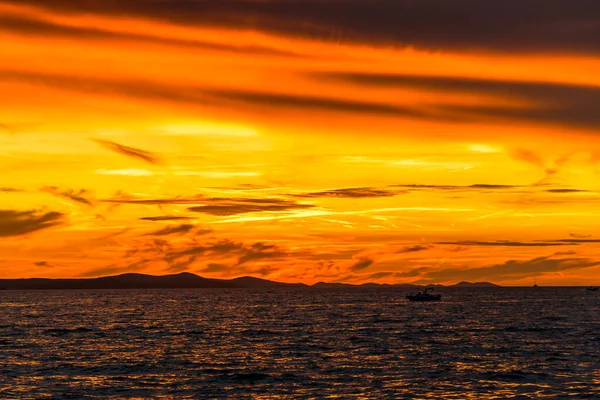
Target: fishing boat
point(424, 296)
point(591, 289)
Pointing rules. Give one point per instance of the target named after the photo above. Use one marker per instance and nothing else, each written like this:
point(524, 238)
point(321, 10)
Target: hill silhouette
point(184, 280)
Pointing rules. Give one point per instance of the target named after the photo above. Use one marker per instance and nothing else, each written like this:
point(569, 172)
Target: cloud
point(469, 188)
point(41, 264)
point(30, 27)
point(412, 273)
point(547, 102)
point(578, 240)
point(127, 199)
point(179, 229)
point(233, 206)
point(528, 156)
point(565, 190)
point(70, 194)
point(242, 253)
point(565, 253)
point(512, 269)
point(130, 151)
point(15, 223)
point(579, 236)
point(165, 218)
point(361, 264)
point(459, 25)
point(507, 243)
point(214, 267)
point(379, 275)
point(363, 192)
point(201, 96)
point(7, 189)
point(413, 249)
point(260, 251)
point(318, 103)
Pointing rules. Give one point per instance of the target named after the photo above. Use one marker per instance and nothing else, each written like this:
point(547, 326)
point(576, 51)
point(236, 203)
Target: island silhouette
point(185, 280)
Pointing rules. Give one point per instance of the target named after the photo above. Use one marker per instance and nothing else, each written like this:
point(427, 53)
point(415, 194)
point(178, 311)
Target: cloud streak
point(512, 269)
point(434, 24)
point(364, 192)
point(132, 152)
point(16, 223)
point(224, 207)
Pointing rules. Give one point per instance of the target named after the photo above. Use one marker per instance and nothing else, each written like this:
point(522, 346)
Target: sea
point(301, 343)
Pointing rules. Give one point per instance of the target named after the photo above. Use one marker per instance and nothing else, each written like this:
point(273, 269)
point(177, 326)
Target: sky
point(390, 141)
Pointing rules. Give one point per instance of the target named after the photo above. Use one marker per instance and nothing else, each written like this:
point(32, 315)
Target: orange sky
point(134, 140)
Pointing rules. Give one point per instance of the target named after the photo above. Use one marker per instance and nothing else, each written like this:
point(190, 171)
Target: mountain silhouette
point(184, 280)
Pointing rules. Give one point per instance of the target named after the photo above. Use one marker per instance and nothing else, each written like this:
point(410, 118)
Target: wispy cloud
point(507, 243)
point(165, 218)
point(132, 152)
point(362, 264)
point(233, 206)
point(15, 223)
point(455, 26)
point(413, 249)
point(363, 192)
point(512, 269)
point(180, 229)
point(77, 196)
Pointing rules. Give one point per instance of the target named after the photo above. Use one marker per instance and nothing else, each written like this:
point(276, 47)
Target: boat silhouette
point(424, 296)
point(591, 289)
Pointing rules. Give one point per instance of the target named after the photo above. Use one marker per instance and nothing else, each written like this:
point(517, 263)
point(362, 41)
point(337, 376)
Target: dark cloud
point(412, 273)
point(578, 241)
point(507, 243)
point(199, 96)
point(476, 187)
point(165, 218)
point(509, 26)
point(260, 251)
point(15, 223)
point(361, 264)
point(236, 270)
point(139, 89)
point(182, 264)
point(413, 249)
point(233, 206)
point(214, 267)
point(548, 103)
point(579, 235)
point(113, 269)
point(29, 27)
point(565, 253)
point(126, 199)
point(567, 191)
point(70, 194)
point(6, 189)
point(264, 271)
point(319, 103)
point(513, 269)
point(241, 252)
point(130, 151)
point(363, 192)
point(379, 275)
point(179, 229)
point(41, 264)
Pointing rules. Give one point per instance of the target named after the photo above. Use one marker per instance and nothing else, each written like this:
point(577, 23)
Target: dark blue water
point(300, 343)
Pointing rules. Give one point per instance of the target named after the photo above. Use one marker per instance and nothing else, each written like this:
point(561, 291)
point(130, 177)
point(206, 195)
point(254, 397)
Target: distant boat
point(535, 285)
point(591, 289)
point(424, 296)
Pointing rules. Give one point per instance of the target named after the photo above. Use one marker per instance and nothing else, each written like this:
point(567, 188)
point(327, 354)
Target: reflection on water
point(300, 343)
